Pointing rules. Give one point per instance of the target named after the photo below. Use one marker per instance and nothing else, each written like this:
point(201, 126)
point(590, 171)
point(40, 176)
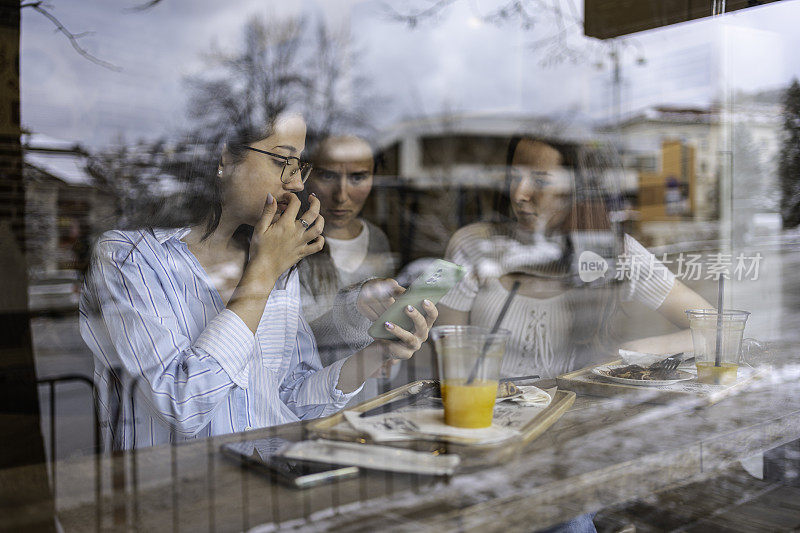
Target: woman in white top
point(356, 254)
point(558, 323)
point(205, 329)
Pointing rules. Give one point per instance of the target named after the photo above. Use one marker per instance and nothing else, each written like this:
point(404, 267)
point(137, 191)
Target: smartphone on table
point(264, 455)
point(432, 284)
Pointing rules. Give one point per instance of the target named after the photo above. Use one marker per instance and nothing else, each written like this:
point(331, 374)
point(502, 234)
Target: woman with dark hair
point(558, 322)
point(356, 256)
point(203, 329)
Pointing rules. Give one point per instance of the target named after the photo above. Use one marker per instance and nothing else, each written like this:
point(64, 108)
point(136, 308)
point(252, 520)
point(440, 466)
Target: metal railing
point(52, 383)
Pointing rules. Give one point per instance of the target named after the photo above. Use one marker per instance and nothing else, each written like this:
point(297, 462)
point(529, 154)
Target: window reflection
point(595, 173)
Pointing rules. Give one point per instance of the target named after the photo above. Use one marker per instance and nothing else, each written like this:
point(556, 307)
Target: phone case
point(433, 284)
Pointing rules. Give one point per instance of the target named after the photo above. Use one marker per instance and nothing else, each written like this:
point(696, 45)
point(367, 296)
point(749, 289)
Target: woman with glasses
point(355, 250)
point(203, 329)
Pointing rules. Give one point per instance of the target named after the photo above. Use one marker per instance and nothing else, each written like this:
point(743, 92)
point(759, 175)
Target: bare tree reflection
point(280, 64)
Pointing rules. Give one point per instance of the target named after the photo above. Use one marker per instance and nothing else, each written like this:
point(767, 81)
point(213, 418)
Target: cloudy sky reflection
point(451, 63)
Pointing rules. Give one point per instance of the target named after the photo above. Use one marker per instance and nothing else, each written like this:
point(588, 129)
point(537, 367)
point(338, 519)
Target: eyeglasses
point(292, 163)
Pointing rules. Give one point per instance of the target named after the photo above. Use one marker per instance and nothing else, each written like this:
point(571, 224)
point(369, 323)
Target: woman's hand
point(408, 343)
point(274, 248)
point(371, 359)
point(376, 296)
point(277, 246)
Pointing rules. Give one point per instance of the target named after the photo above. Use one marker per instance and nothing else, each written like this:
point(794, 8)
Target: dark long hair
point(208, 198)
point(595, 305)
point(503, 220)
point(502, 208)
point(194, 167)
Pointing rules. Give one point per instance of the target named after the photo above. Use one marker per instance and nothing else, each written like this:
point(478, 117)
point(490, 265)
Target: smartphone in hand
point(433, 284)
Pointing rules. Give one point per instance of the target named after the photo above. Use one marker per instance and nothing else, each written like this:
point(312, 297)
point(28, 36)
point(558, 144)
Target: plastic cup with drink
point(718, 344)
point(469, 359)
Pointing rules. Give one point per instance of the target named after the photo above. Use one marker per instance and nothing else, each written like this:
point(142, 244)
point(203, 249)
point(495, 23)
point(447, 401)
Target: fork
point(670, 363)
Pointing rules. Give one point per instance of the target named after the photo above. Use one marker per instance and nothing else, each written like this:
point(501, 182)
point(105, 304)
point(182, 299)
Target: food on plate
point(506, 389)
point(641, 373)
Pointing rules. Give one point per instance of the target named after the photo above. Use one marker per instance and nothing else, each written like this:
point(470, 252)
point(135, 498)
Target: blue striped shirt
point(171, 363)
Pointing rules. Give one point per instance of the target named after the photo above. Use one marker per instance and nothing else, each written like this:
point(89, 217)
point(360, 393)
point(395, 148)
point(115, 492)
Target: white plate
point(602, 371)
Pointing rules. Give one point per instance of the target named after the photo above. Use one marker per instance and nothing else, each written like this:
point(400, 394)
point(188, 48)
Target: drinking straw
point(511, 293)
point(720, 309)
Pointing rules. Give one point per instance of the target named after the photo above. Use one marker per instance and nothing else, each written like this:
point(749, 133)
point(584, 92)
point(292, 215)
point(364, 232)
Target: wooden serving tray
point(584, 381)
point(471, 454)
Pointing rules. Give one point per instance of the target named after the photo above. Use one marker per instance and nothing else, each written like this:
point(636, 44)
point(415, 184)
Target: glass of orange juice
point(469, 360)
